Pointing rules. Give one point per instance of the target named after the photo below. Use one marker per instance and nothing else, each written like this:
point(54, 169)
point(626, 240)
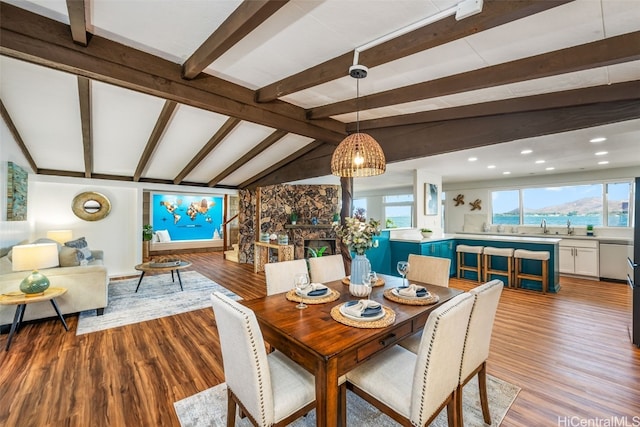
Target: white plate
point(362, 319)
point(313, 296)
point(395, 292)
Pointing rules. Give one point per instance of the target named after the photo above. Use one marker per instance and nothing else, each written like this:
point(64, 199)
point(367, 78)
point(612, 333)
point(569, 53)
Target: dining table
point(328, 348)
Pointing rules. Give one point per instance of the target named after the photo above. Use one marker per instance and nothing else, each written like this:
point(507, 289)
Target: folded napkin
point(362, 308)
point(413, 291)
point(314, 290)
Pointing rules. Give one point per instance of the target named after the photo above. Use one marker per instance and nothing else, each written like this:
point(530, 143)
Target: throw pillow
point(69, 257)
point(163, 235)
point(82, 246)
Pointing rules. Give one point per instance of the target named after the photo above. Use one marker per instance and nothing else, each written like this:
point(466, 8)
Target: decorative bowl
point(426, 234)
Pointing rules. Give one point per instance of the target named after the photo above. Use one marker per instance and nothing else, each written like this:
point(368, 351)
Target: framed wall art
point(430, 199)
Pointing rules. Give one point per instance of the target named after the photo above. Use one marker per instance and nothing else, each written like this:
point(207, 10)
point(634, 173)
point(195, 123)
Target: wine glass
point(301, 282)
point(368, 280)
point(403, 269)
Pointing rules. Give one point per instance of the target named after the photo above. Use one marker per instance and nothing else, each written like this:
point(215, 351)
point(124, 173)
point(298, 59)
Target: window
point(398, 210)
point(579, 204)
point(506, 207)
point(618, 204)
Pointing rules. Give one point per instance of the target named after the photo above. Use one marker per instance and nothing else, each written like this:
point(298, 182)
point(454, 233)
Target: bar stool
point(462, 267)
point(489, 252)
point(542, 256)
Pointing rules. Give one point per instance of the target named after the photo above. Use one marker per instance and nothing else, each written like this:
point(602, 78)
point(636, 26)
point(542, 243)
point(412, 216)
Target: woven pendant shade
point(358, 155)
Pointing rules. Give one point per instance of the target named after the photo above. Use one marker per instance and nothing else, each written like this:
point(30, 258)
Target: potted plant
point(147, 235)
point(589, 230)
point(293, 217)
point(426, 232)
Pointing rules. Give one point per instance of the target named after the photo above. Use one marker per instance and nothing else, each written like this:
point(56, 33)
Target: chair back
point(279, 275)
point(429, 269)
point(326, 268)
point(246, 368)
point(439, 357)
point(483, 314)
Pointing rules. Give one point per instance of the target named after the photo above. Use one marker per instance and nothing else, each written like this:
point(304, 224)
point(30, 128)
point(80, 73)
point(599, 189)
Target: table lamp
point(60, 236)
point(32, 257)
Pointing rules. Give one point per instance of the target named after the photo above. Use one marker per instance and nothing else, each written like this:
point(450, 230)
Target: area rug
point(209, 408)
point(157, 297)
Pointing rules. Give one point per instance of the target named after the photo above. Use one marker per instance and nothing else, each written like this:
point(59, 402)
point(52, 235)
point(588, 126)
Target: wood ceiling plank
point(494, 13)
point(154, 139)
point(33, 38)
point(248, 16)
point(590, 95)
point(610, 51)
point(216, 139)
point(263, 145)
point(16, 135)
point(421, 140)
point(86, 120)
point(77, 20)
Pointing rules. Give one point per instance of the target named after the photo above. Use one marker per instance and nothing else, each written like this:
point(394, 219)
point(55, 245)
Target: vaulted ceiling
point(238, 94)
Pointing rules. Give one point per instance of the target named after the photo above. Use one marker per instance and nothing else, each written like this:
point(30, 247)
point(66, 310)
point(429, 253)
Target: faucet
point(543, 225)
point(569, 229)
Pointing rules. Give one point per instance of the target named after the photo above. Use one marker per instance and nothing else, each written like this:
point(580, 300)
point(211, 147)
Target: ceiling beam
point(216, 139)
point(86, 119)
point(33, 38)
point(77, 20)
point(250, 183)
point(494, 13)
point(567, 98)
point(154, 139)
point(16, 136)
point(610, 51)
point(246, 18)
point(421, 140)
point(266, 143)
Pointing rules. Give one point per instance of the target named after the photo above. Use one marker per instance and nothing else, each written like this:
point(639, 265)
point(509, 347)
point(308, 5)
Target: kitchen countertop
point(507, 237)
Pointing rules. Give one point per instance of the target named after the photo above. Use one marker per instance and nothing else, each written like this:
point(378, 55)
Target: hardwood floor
point(570, 353)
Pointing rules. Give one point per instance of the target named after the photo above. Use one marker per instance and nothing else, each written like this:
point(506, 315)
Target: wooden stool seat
point(489, 252)
point(462, 267)
point(542, 256)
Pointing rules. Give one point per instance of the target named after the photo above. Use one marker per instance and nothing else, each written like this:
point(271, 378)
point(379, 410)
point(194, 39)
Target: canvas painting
point(430, 199)
point(17, 181)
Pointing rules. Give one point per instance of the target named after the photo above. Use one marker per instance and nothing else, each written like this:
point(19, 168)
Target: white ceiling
point(43, 103)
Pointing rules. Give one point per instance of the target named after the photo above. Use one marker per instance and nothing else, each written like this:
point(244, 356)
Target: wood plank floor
point(570, 354)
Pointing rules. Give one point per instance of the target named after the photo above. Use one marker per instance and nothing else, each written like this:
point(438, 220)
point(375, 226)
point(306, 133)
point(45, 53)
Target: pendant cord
point(357, 106)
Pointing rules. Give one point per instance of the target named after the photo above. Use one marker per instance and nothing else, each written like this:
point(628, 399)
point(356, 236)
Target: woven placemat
point(347, 281)
point(331, 296)
point(388, 319)
point(410, 301)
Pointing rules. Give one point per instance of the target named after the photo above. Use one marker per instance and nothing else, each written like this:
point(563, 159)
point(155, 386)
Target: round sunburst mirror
point(91, 206)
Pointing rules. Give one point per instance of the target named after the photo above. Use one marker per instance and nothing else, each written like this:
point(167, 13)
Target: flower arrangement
point(358, 235)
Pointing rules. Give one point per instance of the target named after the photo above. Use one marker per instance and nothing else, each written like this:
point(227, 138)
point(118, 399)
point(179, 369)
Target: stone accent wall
point(275, 205)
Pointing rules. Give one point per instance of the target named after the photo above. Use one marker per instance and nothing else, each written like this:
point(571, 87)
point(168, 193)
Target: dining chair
point(326, 268)
point(413, 388)
point(270, 389)
point(279, 275)
point(476, 346)
point(429, 269)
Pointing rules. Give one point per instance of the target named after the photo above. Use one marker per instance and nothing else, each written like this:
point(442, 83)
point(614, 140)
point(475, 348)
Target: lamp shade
point(35, 256)
point(60, 236)
point(358, 155)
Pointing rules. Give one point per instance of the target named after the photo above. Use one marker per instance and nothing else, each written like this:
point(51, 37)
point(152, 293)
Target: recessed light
point(539, 162)
point(604, 162)
point(550, 168)
point(491, 167)
point(601, 153)
point(526, 151)
point(472, 159)
point(506, 173)
point(598, 139)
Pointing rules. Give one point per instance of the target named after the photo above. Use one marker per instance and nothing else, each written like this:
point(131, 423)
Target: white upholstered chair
point(271, 390)
point(413, 388)
point(476, 347)
point(429, 269)
point(279, 275)
point(326, 268)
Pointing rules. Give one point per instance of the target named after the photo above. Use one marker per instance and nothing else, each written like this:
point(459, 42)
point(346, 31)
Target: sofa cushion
point(69, 257)
point(163, 236)
point(82, 246)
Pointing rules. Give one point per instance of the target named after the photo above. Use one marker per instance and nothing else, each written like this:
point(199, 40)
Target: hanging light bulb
point(359, 154)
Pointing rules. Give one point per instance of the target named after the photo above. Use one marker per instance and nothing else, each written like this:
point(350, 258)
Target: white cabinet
point(579, 257)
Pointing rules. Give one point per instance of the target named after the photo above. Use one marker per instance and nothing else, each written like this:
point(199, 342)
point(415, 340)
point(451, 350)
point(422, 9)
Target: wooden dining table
point(329, 349)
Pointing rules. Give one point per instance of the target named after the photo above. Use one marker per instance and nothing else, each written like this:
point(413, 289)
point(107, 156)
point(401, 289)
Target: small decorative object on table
point(164, 262)
point(264, 237)
point(426, 232)
point(358, 236)
point(283, 239)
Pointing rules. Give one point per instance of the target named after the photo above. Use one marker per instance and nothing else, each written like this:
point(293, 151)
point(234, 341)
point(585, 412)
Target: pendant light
point(358, 155)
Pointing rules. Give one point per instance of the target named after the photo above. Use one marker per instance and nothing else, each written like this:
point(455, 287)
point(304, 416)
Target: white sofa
point(87, 289)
